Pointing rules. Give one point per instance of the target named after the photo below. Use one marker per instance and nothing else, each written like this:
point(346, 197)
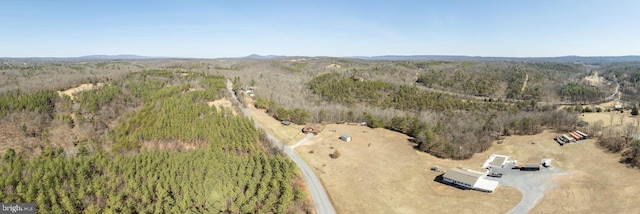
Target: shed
point(345, 138)
point(285, 122)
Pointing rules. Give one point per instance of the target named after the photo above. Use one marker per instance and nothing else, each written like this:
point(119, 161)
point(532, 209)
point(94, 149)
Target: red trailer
point(576, 136)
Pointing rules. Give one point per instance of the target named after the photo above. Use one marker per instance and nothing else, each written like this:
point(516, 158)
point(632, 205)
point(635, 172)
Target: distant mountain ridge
point(577, 59)
point(121, 56)
point(256, 56)
point(585, 59)
point(89, 57)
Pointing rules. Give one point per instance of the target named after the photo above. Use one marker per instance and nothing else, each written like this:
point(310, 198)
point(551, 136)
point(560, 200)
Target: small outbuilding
point(345, 138)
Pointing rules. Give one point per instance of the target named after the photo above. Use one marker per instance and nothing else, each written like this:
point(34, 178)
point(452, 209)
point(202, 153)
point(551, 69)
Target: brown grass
point(389, 176)
point(83, 87)
point(289, 135)
point(222, 103)
point(606, 118)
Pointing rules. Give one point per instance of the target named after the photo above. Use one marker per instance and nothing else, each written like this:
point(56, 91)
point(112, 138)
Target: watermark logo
point(17, 208)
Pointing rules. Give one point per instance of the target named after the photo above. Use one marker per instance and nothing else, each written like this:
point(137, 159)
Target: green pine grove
point(233, 173)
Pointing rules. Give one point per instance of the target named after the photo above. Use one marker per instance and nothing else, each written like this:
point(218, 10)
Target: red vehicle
point(576, 136)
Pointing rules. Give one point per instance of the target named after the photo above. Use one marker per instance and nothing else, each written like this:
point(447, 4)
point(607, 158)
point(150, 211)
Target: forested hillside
point(628, 74)
point(443, 121)
point(456, 128)
point(543, 81)
point(99, 152)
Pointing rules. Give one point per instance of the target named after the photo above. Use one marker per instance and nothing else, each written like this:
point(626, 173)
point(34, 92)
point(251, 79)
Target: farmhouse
point(495, 161)
point(469, 179)
point(345, 138)
point(311, 129)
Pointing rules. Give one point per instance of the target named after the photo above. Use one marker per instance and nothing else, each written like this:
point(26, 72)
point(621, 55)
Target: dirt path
point(83, 87)
point(72, 91)
point(524, 84)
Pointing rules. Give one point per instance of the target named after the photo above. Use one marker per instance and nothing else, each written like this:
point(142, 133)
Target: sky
point(227, 28)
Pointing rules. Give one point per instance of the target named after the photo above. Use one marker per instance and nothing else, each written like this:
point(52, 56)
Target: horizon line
point(284, 56)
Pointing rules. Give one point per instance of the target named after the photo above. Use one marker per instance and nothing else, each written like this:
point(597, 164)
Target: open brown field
point(222, 103)
point(390, 177)
point(607, 120)
point(83, 87)
point(288, 135)
point(380, 172)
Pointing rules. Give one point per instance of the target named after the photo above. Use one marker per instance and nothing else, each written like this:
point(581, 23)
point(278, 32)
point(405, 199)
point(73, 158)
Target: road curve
point(320, 199)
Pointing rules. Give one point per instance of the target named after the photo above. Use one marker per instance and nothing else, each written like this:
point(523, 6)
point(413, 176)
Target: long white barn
point(469, 179)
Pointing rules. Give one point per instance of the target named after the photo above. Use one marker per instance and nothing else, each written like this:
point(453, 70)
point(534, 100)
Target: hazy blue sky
point(229, 28)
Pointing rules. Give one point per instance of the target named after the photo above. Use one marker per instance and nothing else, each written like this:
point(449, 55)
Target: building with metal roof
point(469, 179)
point(495, 160)
point(345, 138)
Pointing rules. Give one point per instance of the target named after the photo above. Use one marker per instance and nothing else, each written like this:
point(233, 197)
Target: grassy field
point(379, 172)
point(611, 118)
point(289, 135)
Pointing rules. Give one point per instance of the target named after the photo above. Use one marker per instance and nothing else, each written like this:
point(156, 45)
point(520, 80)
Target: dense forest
point(106, 151)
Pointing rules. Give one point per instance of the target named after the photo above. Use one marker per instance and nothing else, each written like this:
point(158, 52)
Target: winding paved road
point(320, 199)
point(469, 97)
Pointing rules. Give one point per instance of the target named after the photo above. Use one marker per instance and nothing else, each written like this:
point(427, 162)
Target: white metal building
point(496, 161)
point(469, 179)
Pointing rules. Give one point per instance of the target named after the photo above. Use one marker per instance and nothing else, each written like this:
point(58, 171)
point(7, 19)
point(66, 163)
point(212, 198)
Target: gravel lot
point(532, 184)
